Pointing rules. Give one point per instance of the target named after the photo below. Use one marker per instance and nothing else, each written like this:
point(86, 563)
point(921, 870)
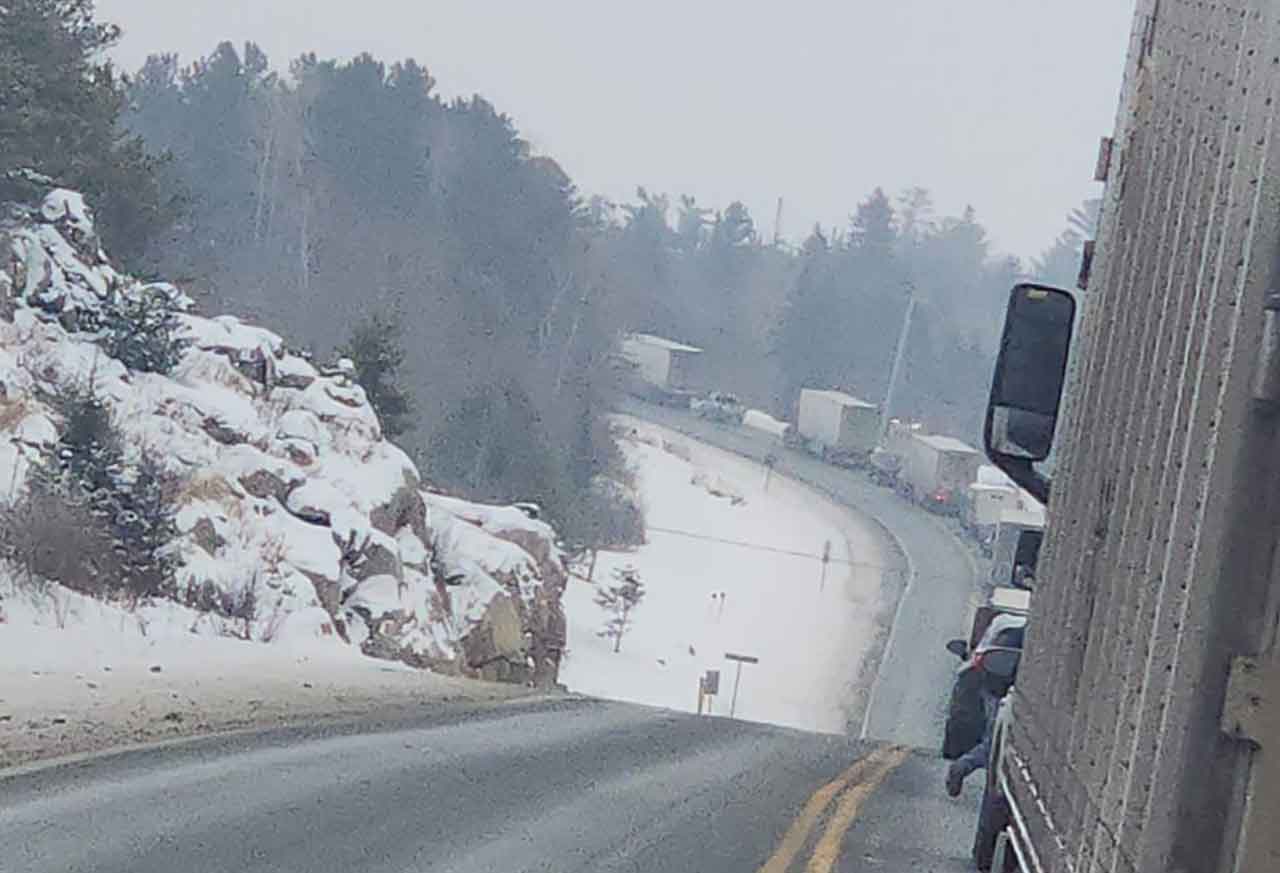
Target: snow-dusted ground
point(811, 639)
point(80, 675)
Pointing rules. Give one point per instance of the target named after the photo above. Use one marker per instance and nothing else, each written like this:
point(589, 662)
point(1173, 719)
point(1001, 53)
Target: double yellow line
point(855, 784)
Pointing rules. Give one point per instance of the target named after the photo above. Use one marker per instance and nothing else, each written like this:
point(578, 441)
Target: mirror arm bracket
point(1024, 473)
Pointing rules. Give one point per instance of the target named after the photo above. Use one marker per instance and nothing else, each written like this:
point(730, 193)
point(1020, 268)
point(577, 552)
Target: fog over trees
point(478, 291)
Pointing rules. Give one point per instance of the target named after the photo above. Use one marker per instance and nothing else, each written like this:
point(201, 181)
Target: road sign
point(711, 682)
point(741, 659)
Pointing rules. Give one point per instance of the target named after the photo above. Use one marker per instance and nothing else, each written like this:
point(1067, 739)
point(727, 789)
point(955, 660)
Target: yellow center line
point(798, 834)
point(827, 852)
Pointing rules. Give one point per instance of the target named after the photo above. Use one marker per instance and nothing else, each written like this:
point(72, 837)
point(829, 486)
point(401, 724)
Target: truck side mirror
point(959, 648)
point(1026, 390)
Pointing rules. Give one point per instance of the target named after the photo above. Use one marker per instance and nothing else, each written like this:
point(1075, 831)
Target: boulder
point(295, 372)
point(405, 509)
point(300, 452)
point(265, 485)
point(329, 593)
point(377, 555)
point(206, 536)
point(498, 636)
point(300, 503)
point(222, 432)
point(302, 425)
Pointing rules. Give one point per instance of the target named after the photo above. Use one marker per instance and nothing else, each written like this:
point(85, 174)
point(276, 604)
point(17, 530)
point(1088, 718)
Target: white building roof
point(670, 345)
point(841, 398)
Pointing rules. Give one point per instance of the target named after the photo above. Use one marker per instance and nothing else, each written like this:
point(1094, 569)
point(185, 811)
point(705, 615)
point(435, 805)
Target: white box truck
point(662, 370)
point(838, 427)
point(939, 471)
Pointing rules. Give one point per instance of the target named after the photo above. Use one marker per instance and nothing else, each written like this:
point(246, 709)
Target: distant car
point(719, 406)
point(991, 664)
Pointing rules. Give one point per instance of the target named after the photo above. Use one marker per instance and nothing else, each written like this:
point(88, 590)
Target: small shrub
point(53, 534)
point(141, 330)
point(243, 607)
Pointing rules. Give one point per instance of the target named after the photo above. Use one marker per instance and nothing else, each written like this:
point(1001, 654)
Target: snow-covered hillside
point(732, 567)
point(288, 486)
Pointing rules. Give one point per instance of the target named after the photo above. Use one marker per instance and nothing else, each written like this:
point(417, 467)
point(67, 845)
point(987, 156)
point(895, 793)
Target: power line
point(774, 549)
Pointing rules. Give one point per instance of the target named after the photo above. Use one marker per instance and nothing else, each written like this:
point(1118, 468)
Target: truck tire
point(993, 818)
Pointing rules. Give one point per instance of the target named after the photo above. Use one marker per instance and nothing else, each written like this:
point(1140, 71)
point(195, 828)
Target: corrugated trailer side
point(1157, 570)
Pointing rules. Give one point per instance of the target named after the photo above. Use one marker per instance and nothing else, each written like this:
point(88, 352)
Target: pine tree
point(145, 528)
point(135, 515)
point(89, 448)
point(619, 600)
point(140, 330)
point(59, 107)
point(872, 227)
point(376, 349)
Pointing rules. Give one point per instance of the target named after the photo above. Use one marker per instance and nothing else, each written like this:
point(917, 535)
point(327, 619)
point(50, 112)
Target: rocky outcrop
point(291, 489)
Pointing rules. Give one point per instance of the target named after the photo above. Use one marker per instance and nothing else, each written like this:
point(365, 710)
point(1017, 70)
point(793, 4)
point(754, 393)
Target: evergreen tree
point(619, 600)
point(691, 224)
point(915, 215)
point(90, 449)
point(734, 227)
point(1060, 263)
point(376, 349)
point(59, 107)
point(133, 518)
point(145, 529)
point(141, 330)
point(872, 227)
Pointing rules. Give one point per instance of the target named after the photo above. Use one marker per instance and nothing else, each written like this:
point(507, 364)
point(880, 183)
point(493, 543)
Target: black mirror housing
point(1026, 389)
point(959, 648)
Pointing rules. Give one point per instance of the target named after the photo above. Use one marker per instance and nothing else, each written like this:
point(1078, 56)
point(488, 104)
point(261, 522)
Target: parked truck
point(989, 497)
point(839, 428)
point(1019, 534)
point(939, 471)
point(661, 370)
point(1143, 732)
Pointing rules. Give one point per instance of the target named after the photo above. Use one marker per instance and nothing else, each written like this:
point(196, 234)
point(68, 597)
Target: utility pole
point(777, 225)
point(898, 357)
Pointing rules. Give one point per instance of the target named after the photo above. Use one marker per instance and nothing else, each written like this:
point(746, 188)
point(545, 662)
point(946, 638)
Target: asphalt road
point(936, 581)
point(556, 786)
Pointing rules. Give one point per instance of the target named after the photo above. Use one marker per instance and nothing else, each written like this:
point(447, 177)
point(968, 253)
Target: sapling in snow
point(619, 599)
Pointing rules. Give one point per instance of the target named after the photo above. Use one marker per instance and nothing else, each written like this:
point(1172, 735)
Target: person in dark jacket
point(979, 757)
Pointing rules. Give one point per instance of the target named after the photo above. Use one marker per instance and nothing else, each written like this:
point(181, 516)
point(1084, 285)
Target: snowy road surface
point(556, 787)
point(733, 566)
point(908, 703)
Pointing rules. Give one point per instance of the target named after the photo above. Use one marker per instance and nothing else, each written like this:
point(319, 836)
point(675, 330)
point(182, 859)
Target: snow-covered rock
point(292, 498)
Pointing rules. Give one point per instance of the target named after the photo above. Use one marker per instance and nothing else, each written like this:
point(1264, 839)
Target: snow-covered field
point(705, 597)
point(80, 675)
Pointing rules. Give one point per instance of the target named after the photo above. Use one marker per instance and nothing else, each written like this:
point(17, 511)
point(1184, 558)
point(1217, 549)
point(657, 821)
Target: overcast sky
point(997, 103)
